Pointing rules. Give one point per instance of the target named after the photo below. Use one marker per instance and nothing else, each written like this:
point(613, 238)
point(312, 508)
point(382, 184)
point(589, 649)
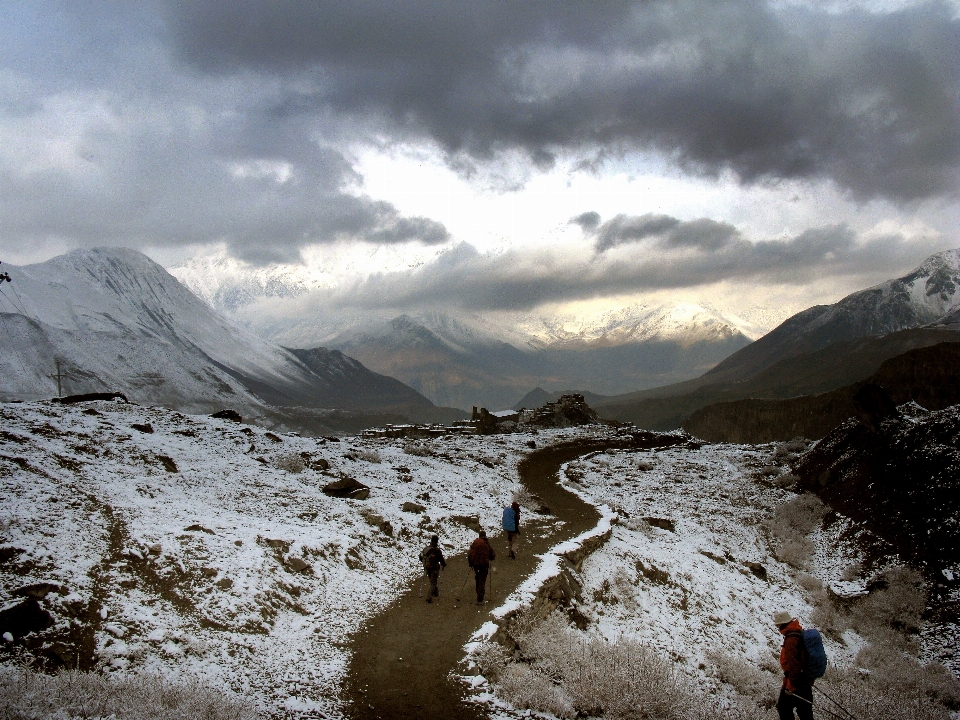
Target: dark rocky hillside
point(902, 480)
point(929, 376)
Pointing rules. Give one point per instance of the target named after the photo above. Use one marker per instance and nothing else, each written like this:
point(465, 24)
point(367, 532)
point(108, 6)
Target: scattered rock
point(90, 397)
point(224, 583)
point(662, 523)
point(114, 629)
point(757, 569)
point(413, 507)
point(272, 437)
point(715, 558)
point(40, 590)
point(347, 488)
point(469, 521)
point(282, 545)
point(90, 411)
point(532, 444)
point(228, 415)
point(209, 572)
point(8, 552)
point(155, 549)
point(199, 528)
point(298, 564)
point(168, 464)
point(24, 618)
point(142, 427)
point(7, 637)
point(379, 522)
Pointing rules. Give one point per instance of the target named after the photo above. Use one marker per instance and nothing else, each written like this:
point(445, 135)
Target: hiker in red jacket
point(479, 557)
point(797, 690)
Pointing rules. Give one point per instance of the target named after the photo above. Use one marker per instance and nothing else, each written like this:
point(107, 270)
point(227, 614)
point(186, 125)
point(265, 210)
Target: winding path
point(403, 656)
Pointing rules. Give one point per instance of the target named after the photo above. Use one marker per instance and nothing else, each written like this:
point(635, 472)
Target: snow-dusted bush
point(141, 696)
point(291, 462)
point(899, 687)
point(897, 607)
point(809, 582)
point(569, 673)
point(645, 466)
point(790, 524)
point(758, 684)
point(420, 450)
point(371, 456)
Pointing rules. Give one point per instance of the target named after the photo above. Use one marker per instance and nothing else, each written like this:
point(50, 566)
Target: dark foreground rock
point(347, 488)
point(902, 480)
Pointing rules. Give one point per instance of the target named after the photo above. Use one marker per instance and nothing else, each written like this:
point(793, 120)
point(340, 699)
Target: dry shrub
point(420, 450)
point(371, 456)
point(786, 481)
point(768, 471)
point(902, 688)
point(525, 689)
point(291, 462)
point(790, 524)
point(809, 582)
point(571, 674)
point(760, 685)
point(897, 607)
point(491, 659)
point(142, 696)
point(645, 466)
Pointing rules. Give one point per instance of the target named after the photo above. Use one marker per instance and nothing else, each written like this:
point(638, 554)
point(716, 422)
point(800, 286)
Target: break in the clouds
point(525, 279)
point(184, 123)
point(867, 100)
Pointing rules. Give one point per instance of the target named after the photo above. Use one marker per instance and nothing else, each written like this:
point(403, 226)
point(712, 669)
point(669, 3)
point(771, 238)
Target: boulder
point(757, 569)
point(142, 427)
point(39, 590)
point(662, 523)
point(24, 618)
point(413, 507)
point(347, 488)
point(228, 415)
point(199, 528)
point(298, 564)
point(469, 521)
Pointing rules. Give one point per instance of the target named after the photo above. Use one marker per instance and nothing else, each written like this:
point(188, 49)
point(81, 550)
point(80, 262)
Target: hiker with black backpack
point(511, 526)
point(803, 660)
point(433, 560)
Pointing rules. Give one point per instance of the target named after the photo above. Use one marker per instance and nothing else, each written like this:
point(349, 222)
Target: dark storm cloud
point(108, 143)
point(869, 100)
point(665, 230)
point(522, 280)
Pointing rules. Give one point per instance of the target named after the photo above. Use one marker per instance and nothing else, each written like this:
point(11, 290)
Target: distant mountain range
point(116, 320)
point(465, 359)
point(820, 349)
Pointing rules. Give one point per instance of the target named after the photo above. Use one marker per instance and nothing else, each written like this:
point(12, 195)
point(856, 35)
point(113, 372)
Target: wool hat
point(782, 617)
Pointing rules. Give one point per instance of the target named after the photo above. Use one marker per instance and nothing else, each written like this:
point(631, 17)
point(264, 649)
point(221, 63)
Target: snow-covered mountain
point(927, 295)
point(118, 321)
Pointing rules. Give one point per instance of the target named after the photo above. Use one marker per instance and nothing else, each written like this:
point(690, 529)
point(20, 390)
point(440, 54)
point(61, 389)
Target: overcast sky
point(509, 154)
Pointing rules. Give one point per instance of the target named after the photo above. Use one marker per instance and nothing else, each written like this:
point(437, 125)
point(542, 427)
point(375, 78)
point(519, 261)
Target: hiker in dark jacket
point(432, 559)
point(511, 525)
point(479, 557)
point(797, 690)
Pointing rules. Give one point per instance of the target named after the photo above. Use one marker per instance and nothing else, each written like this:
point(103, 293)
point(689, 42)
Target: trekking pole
point(463, 585)
point(439, 582)
point(420, 594)
point(492, 569)
point(823, 709)
point(830, 698)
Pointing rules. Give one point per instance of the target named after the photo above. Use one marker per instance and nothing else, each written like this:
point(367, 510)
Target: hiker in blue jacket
point(511, 525)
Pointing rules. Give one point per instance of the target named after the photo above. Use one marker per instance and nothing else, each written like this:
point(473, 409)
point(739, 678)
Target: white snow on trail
point(196, 569)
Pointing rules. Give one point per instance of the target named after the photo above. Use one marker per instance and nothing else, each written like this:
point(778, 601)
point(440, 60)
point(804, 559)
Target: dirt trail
point(403, 656)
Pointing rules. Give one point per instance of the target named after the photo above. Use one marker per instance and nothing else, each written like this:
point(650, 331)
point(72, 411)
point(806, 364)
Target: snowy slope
point(186, 537)
point(120, 322)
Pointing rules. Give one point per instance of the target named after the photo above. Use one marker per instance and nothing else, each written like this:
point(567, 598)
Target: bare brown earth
point(403, 657)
